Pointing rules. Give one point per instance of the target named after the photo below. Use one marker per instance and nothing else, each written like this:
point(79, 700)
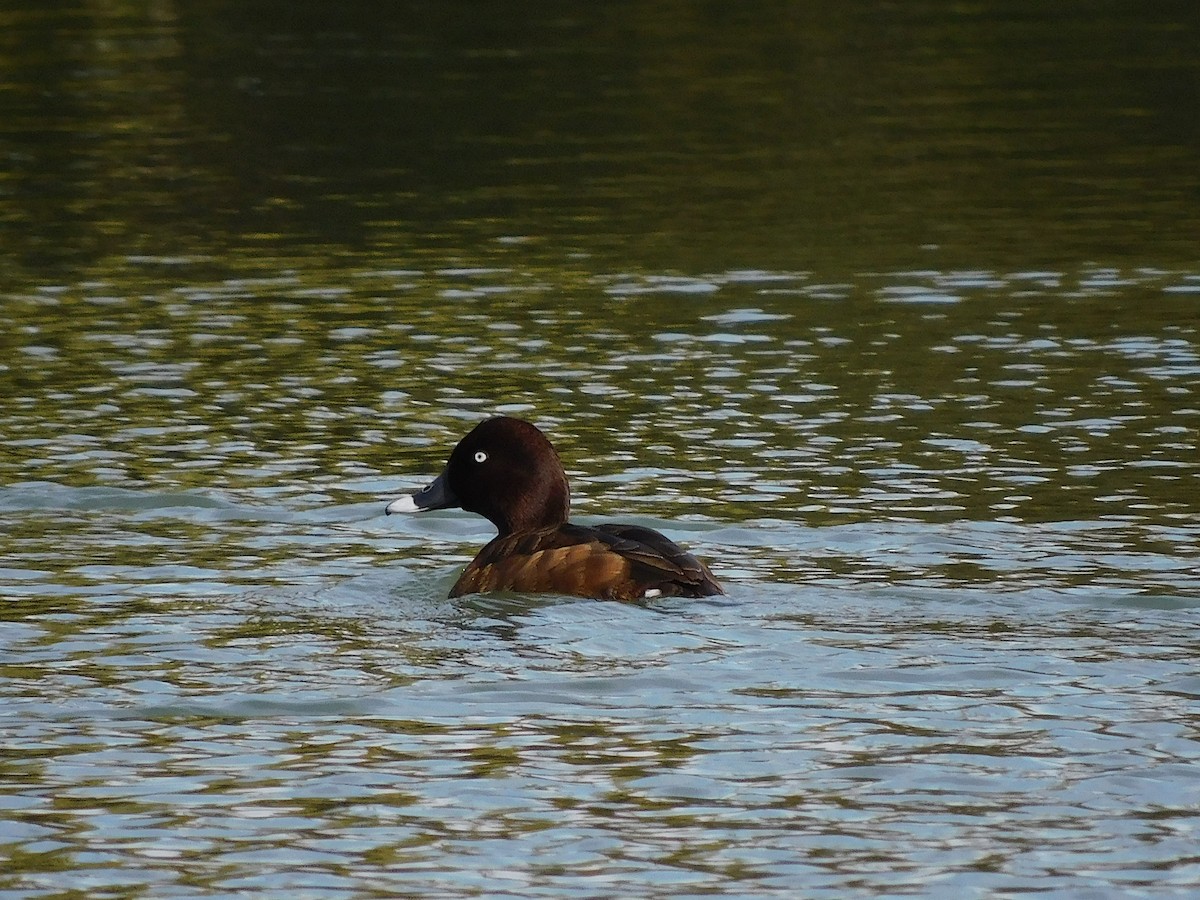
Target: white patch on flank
point(402, 504)
point(653, 592)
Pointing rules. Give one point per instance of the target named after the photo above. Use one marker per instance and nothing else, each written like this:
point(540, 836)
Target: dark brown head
point(505, 470)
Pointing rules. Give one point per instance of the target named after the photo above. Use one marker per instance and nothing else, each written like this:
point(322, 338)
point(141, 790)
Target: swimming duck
point(506, 470)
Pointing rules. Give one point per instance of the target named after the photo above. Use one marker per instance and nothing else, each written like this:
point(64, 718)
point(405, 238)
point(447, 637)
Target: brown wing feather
point(662, 563)
point(619, 562)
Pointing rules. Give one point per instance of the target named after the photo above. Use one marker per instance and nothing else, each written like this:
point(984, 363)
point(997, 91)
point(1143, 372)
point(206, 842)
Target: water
point(901, 338)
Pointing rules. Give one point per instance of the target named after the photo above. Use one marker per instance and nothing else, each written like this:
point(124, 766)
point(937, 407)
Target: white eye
point(480, 456)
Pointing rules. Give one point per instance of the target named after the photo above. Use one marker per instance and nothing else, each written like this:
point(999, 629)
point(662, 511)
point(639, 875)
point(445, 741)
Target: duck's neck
point(547, 507)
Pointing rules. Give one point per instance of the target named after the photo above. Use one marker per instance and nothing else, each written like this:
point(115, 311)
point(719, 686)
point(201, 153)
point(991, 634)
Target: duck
point(507, 471)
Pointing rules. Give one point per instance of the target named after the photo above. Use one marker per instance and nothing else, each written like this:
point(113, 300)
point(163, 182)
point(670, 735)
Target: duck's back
point(616, 562)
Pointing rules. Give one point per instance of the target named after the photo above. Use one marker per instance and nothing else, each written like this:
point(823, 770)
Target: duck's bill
point(436, 496)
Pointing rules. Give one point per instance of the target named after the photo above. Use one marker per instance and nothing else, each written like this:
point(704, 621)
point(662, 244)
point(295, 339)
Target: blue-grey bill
point(437, 495)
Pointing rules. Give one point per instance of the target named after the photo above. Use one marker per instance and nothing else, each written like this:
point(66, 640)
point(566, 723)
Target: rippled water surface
point(932, 418)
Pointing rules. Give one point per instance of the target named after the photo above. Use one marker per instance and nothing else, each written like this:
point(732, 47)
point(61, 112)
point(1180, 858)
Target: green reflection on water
point(1063, 395)
point(237, 237)
point(665, 137)
point(869, 264)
